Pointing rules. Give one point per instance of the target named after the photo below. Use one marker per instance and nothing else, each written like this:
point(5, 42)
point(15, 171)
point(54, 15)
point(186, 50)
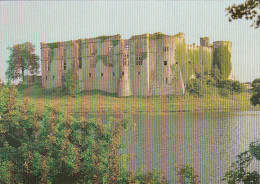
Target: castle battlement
point(147, 64)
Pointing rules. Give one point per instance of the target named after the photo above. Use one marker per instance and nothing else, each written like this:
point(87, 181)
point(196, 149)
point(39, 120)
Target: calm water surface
point(208, 141)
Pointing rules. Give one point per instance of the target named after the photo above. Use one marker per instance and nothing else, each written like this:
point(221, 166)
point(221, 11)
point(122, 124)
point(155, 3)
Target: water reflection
point(208, 141)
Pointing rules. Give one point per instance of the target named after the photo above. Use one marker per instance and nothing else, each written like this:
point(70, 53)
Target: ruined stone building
point(147, 64)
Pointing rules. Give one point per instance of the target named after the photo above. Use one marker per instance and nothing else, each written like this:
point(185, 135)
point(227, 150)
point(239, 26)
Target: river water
point(208, 141)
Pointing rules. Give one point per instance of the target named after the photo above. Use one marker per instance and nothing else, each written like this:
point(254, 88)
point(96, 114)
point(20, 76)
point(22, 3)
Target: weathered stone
point(142, 65)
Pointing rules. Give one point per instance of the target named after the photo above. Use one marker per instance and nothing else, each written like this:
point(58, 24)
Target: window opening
point(165, 49)
point(138, 60)
point(123, 73)
point(48, 66)
point(165, 62)
point(46, 77)
point(65, 65)
point(53, 77)
point(138, 73)
point(113, 73)
point(166, 80)
point(80, 62)
point(101, 74)
point(89, 75)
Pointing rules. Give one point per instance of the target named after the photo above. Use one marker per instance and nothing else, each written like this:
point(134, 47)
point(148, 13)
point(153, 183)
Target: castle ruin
point(147, 64)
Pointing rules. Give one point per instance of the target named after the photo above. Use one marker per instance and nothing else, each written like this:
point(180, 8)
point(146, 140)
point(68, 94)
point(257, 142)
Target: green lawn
point(98, 101)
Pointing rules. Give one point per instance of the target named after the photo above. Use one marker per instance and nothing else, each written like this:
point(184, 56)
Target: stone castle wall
point(142, 65)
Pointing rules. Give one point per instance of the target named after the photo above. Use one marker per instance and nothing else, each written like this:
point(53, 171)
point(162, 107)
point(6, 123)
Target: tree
point(247, 10)
point(255, 99)
point(21, 59)
point(256, 83)
point(70, 82)
point(239, 171)
point(187, 174)
point(49, 146)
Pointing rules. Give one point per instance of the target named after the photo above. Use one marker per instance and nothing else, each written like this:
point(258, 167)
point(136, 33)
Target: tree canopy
point(247, 10)
point(22, 58)
point(49, 146)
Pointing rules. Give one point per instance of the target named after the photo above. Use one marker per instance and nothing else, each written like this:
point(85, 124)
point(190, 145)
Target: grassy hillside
point(98, 101)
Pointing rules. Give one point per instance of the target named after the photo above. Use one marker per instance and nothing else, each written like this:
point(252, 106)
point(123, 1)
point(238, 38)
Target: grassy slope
point(98, 101)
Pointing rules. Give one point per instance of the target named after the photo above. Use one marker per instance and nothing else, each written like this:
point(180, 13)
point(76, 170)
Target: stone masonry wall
point(142, 65)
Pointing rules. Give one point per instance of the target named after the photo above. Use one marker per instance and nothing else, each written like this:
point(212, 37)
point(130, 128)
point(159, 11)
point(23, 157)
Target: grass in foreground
point(99, 101)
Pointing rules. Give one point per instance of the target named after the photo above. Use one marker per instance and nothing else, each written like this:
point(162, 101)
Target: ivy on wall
point(181, 56)
point(103, 38)
point(105, 61)
point(200, 60)
point(156, 36)
point(52, 46)
point(222, 60)
point(143, 55)
point(115, 42)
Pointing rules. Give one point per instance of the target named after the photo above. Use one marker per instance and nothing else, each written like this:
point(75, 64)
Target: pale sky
point(52, 21)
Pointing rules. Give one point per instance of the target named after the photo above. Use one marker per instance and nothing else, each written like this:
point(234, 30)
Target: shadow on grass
point(37, 91)
point(97, 92)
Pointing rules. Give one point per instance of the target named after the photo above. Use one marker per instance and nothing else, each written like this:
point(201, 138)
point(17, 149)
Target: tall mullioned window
point(138, 59)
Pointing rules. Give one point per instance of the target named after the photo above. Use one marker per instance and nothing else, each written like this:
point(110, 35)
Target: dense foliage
point(222, 60)
point(49, 146)
point(196, 87)
point(187, 175)
point(200, 59)
point(22, 58)
point(247, 10)
point(255, 83)
point(181, 56)
point(255, 99)
point(70, 82)
point(231, 85)
point(239, 172)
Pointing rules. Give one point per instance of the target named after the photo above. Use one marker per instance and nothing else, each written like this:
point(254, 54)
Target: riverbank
point(102, 102)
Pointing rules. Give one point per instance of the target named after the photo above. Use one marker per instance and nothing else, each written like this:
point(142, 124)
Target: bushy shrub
point(196, 87)
point(187, 174)
point(255, 99)
point(49, 146)
point(70, 82)
point(224, 92)
point(232, 85)
point(255, 83)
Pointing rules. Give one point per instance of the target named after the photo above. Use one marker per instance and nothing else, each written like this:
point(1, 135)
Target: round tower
point(222, 44)
point(124, 80)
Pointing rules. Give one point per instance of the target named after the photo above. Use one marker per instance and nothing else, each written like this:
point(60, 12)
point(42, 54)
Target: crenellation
point(142, 65)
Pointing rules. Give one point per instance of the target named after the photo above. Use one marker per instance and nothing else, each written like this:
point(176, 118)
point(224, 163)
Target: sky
point(53, 21)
